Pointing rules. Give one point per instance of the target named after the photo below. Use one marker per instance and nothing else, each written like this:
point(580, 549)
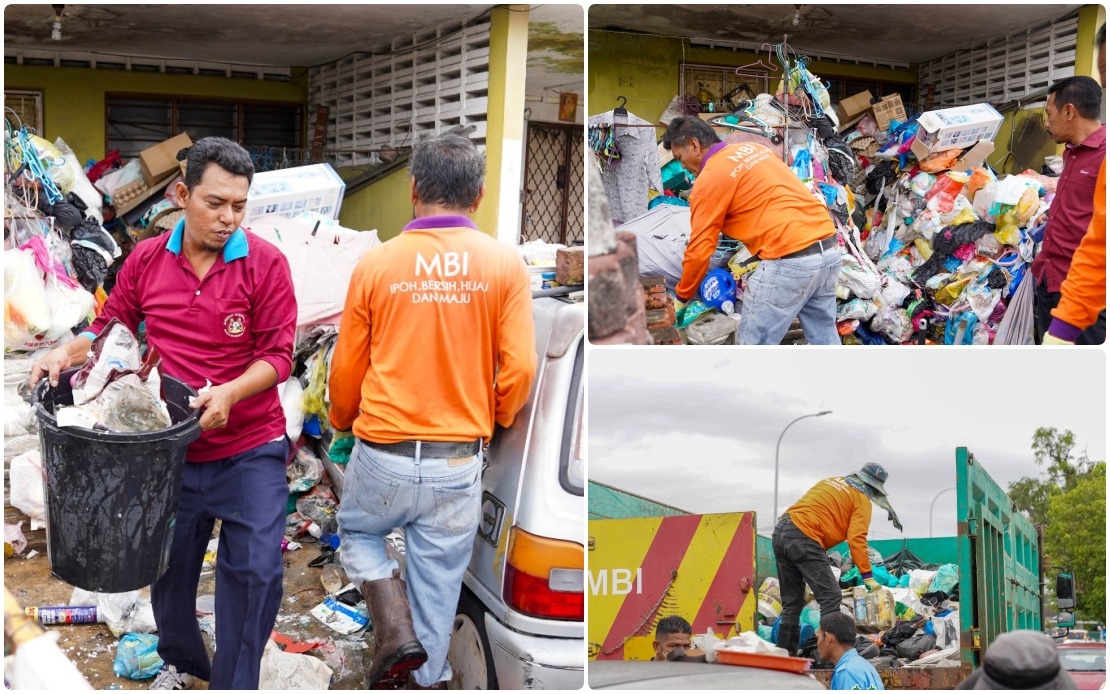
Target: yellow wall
point(73, 98)
point(386, 205)
point(645, 70)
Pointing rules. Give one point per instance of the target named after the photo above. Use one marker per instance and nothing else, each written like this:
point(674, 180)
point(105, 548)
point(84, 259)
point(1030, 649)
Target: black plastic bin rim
point(82, 433)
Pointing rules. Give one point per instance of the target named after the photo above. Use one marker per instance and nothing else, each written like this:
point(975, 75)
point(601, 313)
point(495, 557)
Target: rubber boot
point(788, 638)
point(397, 651)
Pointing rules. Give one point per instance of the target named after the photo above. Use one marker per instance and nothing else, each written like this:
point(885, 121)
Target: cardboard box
point(972, 157)
point(952, 128)
point(289, 192)
point(159, 161)
point(890, 108)
point(853, 106)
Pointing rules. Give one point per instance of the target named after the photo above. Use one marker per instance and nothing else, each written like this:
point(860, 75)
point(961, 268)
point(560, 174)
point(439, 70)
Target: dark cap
point(1021, 659)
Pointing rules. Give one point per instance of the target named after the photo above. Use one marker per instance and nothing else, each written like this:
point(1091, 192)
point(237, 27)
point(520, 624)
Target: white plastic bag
point(280, 670)
point(947, 629)
point(124, 613)
point(25, 476)
point(80, 186)
point(859, 280)
point(292, 395)
point(920, 580)
point(70, 305)
point(27, 315)
point(13, 535)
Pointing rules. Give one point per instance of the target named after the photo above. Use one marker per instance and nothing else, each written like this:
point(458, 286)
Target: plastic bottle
point(859, 605)
point(63, 614)
point(718, 290)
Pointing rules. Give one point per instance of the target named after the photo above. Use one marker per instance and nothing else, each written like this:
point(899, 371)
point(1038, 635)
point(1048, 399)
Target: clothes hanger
point(620, 110)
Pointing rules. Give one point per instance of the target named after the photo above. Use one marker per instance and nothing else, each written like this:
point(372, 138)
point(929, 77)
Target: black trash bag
point(915, 646)
point(903, 561)
point(945, 242)
point(66, 215)
point(866, 647)
point(842, 160)
point(90, 230)
point(900, 632)
point(935, 598)
point(882, 173)
point(89, 267)
point(883, 661)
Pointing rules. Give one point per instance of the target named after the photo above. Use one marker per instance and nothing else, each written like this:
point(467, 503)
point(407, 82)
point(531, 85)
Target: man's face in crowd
point(214, 208)
point(1058, 120)
point(689, 155)
point(669, 643)
point(825, 644)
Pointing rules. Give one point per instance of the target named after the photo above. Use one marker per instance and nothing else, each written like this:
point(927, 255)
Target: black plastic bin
point(111, 498)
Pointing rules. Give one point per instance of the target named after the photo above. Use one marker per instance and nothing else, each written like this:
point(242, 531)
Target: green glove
point(342, 443)
point(872, 585)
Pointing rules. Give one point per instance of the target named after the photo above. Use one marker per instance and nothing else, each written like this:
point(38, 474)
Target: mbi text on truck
point(710, 576)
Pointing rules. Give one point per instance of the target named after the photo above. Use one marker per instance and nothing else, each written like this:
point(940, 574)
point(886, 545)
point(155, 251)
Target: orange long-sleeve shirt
point(1083, 293)
point(833, 511)
point(747, 193)
point(436, 341)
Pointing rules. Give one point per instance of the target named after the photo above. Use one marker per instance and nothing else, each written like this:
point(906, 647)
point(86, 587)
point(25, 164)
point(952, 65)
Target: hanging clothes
point(630, 178)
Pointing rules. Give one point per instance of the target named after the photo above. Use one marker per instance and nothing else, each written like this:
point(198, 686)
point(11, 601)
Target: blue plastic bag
point(137, 656)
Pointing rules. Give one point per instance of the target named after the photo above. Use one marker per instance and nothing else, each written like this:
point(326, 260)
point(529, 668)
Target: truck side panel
point(999, 561)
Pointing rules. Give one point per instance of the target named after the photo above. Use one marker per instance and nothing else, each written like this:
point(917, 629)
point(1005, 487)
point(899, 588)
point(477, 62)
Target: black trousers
point(1043, 303)
point(800, 561)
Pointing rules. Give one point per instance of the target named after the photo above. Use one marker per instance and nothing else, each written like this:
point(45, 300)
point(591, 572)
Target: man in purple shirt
point(1072, 119)
point(219, 308)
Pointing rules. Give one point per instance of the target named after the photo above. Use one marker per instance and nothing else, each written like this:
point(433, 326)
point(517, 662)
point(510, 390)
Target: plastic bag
point(983, 201)
point(962, 213)
point(124, 613)
point(27, 315)
point(893, 292)
point(137, 657)
point(25, 477)
point(281, 671)
point(914, 646)
point(1016, 326)
point(947, 578)
point(947, 629)
point(894, 323)
point(304, 472)
point(13, 538)
point(79, 183)
point(856, 309)
point(983, 300)
point(292, 399)
point(71, 306)
point(859, 280)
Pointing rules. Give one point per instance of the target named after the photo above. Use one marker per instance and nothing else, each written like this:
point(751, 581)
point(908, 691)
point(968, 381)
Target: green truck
point(997, 550)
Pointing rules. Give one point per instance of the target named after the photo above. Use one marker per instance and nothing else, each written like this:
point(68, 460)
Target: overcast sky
point(696, 427)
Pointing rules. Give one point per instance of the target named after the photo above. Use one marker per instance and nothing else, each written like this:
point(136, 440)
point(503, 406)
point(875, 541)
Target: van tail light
point(545, 577)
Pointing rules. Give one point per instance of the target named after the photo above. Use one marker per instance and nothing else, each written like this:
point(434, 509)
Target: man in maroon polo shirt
point(1072, 119)
point(219, 308)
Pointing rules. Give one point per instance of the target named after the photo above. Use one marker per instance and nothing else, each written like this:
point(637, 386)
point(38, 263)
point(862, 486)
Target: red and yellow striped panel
point(643, 569)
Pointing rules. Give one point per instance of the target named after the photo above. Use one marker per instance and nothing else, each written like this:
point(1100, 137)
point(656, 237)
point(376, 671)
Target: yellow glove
point(679, 305)
point(1050, 339)
point(872, 585)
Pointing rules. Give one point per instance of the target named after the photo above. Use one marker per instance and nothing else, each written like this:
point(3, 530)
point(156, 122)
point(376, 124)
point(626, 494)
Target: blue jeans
point(437, 501)
point(781, 289)
point(248, 492)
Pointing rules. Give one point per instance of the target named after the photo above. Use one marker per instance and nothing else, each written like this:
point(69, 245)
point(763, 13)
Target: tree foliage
point(1069, 501)
point(1075, 538)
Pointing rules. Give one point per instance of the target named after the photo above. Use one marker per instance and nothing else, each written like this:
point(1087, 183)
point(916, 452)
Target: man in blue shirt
point(836, 643)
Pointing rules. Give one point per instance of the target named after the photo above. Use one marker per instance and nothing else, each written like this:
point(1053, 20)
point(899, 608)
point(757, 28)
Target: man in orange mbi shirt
point(435, 347)
point(1083, 293)
point(832, 511)
point(746, 192)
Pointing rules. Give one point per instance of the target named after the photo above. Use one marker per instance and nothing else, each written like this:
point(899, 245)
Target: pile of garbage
point(935, 244)
point(914, 619)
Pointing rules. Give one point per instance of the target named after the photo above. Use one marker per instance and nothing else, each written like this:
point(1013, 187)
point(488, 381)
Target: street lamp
point(817, 414)
point(950, 489)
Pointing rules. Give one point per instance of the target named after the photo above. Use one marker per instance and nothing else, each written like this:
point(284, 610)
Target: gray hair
point(228, 155)
point(448, 170)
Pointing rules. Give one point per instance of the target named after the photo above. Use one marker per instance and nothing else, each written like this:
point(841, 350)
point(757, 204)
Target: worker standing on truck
point(436, 346)
point(832, 511)
point(836, 643)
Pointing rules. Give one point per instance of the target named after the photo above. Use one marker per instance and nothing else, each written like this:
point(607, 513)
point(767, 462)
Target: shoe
point(397, 650)
point(169, 678)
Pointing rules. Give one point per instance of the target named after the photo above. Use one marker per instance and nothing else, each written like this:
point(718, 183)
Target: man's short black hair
point(841, 626)
point(672, 625)
point(448, 170)
point(1080, 91)
point(686, 128)
point(228, 155)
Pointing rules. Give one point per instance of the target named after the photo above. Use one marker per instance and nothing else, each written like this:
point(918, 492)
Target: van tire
point(470, 646)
